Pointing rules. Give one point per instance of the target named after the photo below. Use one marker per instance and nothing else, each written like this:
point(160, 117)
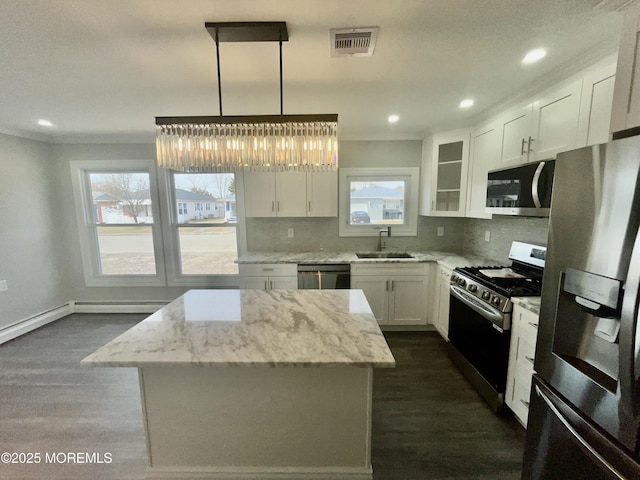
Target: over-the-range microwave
point(523, 190)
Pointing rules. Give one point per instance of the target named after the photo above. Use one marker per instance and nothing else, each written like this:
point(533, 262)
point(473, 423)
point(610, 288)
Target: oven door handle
point(494, 315)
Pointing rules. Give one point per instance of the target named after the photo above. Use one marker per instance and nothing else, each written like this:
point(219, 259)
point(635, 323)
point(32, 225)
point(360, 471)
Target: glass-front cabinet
point(447, 183)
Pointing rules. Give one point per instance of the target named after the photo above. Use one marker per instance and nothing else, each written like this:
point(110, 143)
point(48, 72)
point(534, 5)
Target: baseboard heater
point(35, 321)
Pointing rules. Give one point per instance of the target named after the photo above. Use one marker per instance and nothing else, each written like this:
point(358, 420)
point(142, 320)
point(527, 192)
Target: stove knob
point(495, 300)
point(454, 278)
point(473, 288)
point(486, 295)
point(462, 282)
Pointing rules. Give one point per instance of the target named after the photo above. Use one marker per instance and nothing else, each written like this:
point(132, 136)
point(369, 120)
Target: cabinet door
point(596, 105)
point(283, 283)
point(407, 300)
point(516, 126)
point(556, 116)
point(376, 289)
point(483, 157)
point(260, 194)
point(449, 169)
point(442, 324)
point(626, 96)
point(254, 283)
point(291, 194)
point(322, 194)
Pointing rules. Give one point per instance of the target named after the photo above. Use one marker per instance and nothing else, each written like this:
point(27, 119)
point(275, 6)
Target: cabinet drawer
point(389, 269)
point(267, 269)
point(528, 326)
point(521, 394)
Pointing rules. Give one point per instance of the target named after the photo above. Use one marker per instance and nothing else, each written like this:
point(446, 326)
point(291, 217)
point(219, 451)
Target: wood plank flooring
point(428, 423)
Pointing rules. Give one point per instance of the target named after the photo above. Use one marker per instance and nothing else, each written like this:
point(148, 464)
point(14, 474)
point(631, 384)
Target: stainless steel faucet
point(381, 245)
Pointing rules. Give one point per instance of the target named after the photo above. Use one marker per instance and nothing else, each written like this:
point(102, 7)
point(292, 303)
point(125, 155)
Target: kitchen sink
point(384, 255)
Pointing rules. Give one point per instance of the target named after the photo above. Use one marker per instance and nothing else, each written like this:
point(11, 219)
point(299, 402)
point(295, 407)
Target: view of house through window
point(205, 219)
point(121, 207)
point(377, 202)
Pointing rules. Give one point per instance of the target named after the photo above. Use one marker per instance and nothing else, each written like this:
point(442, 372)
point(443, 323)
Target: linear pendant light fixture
point(256, 142)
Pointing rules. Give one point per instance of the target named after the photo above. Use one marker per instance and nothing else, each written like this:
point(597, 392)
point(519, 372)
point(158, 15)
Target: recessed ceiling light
point(45, 123)
point(534, 55)
point(466, 103)
point(393, 118)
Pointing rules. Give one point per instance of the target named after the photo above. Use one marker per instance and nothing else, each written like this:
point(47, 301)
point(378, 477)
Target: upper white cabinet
point(626, 98)
point(291, 194)
point(543, 128)
point(483, 156)
point(446, 186)
point(597, 100)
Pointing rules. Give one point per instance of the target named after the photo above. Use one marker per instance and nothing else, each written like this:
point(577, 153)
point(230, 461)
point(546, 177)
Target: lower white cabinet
point(524, 333)
point(265, 276)
point(440, 310)
point(397, 293)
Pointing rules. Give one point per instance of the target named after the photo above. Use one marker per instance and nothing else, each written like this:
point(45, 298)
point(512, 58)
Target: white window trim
point(170, 235)
point(86, 222)
point(412, 177)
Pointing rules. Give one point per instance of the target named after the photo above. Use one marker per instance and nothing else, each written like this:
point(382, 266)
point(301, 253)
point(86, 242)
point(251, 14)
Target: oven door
point(473, 332)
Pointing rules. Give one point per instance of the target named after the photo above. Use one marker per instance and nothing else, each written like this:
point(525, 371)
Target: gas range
point(495, 285)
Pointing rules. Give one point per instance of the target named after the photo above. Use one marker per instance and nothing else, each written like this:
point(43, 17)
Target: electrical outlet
point(3, 286)
point(487, 236)
point(290, 232)
point(440, 232)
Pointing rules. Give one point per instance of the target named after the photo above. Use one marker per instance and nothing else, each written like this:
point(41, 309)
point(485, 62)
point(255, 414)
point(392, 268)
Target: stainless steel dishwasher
point(324, 276)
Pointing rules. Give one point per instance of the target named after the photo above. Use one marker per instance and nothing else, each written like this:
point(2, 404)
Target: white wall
point(34, 255)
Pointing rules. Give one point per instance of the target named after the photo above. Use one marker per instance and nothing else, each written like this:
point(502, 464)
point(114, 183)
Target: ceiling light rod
point(247, 32)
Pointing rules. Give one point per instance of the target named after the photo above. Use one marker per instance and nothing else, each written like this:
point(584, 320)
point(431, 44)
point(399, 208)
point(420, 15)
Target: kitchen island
point(249, 384)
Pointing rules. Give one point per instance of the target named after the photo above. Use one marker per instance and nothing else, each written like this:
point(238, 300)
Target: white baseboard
point(36, 321)
point(89, 307)
point(257, 473)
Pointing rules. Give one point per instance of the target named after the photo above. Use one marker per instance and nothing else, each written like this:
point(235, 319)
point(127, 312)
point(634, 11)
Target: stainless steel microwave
point(523, 190)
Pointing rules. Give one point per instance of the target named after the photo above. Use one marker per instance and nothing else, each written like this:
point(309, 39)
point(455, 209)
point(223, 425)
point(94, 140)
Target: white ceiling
point(101, 70)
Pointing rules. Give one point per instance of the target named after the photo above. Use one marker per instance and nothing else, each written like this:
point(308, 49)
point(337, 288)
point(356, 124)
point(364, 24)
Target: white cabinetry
point(397, 293)
point(291, 194)
point(265, 276)
point(446, 187)
point(597, 101)
point(483, 157)
point(543, 128)
point(441, 301)
point(626, 97)
point(521, 357)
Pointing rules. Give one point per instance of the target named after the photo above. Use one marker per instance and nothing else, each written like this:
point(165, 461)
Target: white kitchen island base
point(257, 423)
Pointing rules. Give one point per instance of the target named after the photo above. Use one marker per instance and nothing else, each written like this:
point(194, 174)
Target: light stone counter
point(529, 303)
point(449, 259)
point(277, 328)
point(212, 408)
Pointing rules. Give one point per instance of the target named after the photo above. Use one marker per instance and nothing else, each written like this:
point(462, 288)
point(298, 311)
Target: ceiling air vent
point(353, 42)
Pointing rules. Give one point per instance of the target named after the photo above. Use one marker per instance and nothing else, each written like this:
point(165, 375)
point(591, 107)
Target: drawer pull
point(534, 325)
point(267, 269)
point(529, 358)
point(526, 404)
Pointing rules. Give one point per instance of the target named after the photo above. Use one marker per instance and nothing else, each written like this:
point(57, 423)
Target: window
point(120, 241)
point(371, 198)
point(206, 238)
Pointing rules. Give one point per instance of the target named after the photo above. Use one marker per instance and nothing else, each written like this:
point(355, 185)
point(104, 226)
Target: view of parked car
point(360, 216)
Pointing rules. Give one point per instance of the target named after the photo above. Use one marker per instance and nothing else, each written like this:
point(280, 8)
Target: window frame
point(171, 236)
point(88, 228)
point(411, 177)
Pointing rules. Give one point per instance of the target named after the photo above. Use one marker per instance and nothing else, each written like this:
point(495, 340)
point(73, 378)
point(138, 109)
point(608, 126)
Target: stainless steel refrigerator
point(585, 401)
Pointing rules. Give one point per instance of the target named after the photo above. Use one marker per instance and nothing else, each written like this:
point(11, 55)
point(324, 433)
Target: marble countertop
point(529, 303)
point(450, 260)
point(277, 328)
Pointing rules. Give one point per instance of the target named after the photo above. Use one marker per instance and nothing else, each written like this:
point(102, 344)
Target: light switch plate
point(487, 235)
point(290, 232)
point(440, 232)
point(3, 286)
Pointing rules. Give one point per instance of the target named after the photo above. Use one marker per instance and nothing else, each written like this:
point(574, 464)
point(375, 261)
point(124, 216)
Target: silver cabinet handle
point(529, 149)
point(309, 207)
point(576, 435)
point(278, 205)
point(393, 284)
point(526, 404)
point(267, 269)
point(534, 325)
point(522, 146)
point(265, 284)
point(273, 206)
point(386, 286)
point(529, 359)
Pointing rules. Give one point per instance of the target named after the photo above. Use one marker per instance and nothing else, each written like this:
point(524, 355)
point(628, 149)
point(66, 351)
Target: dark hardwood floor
point(428, 423)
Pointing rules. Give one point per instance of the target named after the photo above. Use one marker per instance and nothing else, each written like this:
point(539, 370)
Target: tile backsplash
point(503, 230)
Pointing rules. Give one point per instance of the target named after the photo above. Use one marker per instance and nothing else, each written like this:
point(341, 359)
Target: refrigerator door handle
point(629, 356)
point(576, 435)
point(535, 194)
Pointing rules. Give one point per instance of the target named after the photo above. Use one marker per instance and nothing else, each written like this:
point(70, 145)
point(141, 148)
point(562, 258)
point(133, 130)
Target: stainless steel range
point(480, 316)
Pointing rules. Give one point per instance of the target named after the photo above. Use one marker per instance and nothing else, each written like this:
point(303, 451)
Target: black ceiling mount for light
point(247, 32)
